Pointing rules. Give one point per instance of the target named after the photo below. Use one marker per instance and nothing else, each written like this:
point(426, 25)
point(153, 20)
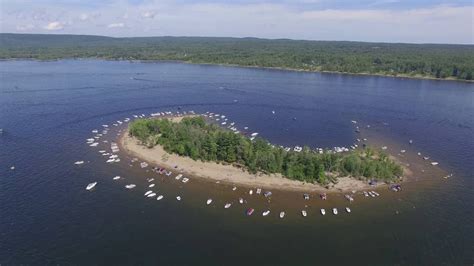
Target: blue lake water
point(48, 109)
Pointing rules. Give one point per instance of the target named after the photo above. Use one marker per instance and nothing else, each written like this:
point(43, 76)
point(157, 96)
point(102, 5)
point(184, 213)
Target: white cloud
point(148, 14)
point(116, 25)
point(26, 27)
point(55, 25)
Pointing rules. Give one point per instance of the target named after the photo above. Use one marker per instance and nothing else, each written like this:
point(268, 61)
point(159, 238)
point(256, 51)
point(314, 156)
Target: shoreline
point(397, 76)
point(232, 175)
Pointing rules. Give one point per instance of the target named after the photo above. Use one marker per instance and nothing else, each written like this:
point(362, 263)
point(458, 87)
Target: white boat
point(259, 190)
point(234, 188)
point(265, 213)
point(254, 134)
point(241, 200)
point(185, 180)
point(251, 192)
point(91, 185)
point(273, 112)
point(366, 194)
point(178, 198)
point(209, 201)
point(94, 144)
point(227, 206)
point(178, 177)
point(151, 195)
point(148, 192)
point(79, 162)
point(159, 197)
point(348, 210)
point(116, 178)
point(282, 214)
point(434, 163)
point(304, 213)
point(130, 186)
point(151, 185)
point(323, 211)
point(143, 164)
point(334, 211)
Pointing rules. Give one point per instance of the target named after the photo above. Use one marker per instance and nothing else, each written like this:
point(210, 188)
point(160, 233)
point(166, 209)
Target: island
point(428, 61)
point(199, 147)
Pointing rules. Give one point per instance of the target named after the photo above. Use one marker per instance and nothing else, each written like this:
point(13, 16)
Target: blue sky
point(415, 21)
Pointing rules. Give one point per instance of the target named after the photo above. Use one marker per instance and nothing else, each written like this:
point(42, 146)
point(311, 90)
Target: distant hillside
point(410, 60)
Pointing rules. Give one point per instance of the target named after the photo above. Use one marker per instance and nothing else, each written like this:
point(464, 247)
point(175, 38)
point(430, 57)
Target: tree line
point(195, 138)
point(444, 61)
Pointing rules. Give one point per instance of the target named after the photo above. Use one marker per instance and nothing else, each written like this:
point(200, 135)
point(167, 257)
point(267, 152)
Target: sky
point(409, 21)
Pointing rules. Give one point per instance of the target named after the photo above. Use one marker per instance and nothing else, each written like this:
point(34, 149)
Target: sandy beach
point(228, 173)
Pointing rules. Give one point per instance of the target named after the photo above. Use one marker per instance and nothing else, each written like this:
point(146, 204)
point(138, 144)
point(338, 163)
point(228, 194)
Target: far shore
point(398, 76)
point(230, 174)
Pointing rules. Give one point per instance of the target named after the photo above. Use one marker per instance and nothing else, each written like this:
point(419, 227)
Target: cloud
point(116, 25)
point(55, 25)
point(148, 14)
point(26, 27)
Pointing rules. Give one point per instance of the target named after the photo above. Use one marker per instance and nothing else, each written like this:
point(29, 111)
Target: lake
point(48, 109)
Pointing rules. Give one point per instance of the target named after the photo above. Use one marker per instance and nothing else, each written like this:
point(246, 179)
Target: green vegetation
point(412, 60)
point(195, 138)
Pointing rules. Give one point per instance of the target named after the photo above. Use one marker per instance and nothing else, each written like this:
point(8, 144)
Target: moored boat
point(304, 213)
point(209, 201)
point(227, 205)
point(250, 211)
point(130, 186)
point(91, 185)
point(159, 197)
point(334, 211)
point(265, 213)
point(282, 214)
point(323, 211)
point(348, 210)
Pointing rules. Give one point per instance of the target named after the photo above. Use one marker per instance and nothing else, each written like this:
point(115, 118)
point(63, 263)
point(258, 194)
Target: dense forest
point(195, 138)
point(442, 61)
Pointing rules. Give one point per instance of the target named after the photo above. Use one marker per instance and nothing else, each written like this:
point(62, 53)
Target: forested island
point(441, 61)
point(194, 137)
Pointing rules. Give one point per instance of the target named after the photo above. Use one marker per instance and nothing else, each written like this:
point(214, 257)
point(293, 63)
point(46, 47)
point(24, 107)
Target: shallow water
point(48, 109)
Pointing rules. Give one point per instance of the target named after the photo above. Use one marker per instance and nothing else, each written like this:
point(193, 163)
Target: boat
point(304, 213)
point(323, 211)
point(79, 162)
point(148, 192)
point(306, 196)
point(159, 197)
point(178, 198)
point(234, 188)
point(251, 192)
point(267, 194)
point(334, 211)
point(227, 205)
point(348, 210)
point(265, 213)
point(151, 195)
point(282, 214)
point(273, 112)
point(349, 198)
point(91, 185)
point(130, 186)
point(323, 196)
point(185, 180)
point(434, 163)
point(254, 134)
point(143, 164)
point(116, 178)
point(150, 180)
point(241, 200)
point(259, 190)
point(250, 211)
point(209, 201)
point(178, 177)
point(151, 185)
